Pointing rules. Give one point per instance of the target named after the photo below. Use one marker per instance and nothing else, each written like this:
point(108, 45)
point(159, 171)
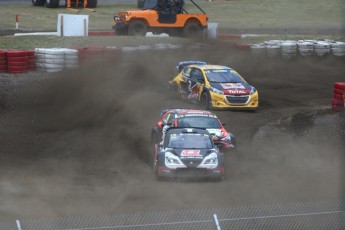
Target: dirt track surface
point(77, 142)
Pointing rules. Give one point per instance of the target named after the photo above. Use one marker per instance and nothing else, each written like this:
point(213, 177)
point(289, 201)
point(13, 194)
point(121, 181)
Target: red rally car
point(187, 118)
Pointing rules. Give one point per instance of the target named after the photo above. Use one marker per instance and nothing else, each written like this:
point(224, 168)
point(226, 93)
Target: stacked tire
point(338, 49)
point(288, 49)
point(322, 48)
point(305, 48)
point(17, 61)
point(31, 60)
point(338, 102)
point(90, 54)
point(56, 59)
point(3, 61)
point(71, 58)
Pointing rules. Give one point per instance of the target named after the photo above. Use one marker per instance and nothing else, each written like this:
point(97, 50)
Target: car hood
point(236, 89)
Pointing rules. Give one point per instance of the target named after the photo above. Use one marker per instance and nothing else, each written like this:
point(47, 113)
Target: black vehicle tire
point(192, 30)
point(121, 32)
point(137, 28)
point(52, 3)
point(140, 4)
point(205, 101)
point(38, 2)
point(92, 3)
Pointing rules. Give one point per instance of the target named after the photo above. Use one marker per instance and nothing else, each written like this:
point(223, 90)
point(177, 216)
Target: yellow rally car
point(214, 86)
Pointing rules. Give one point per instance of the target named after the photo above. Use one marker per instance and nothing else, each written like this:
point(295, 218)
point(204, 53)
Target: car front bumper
point(190, 172)
point(251, 102)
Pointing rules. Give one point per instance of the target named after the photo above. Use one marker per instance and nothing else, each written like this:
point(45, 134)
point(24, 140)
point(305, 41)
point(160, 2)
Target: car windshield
point(150, 4)
point(189, 141)
point(199, 122)
point(222, 76)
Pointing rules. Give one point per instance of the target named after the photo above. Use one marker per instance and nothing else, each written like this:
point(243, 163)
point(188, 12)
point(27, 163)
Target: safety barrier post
point(17, 22)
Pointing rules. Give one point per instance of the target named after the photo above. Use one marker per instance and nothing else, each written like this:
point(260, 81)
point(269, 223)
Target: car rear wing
point(181, 65)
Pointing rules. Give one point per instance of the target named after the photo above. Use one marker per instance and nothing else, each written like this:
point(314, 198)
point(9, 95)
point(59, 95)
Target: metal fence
point(313, 216)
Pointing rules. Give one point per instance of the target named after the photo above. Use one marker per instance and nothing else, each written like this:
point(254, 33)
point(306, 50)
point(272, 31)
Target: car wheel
point(92, 3)
point(192, 30)
point(52, 3)
point(121, 32)
point(38, 2)
point(137, 28)
point(205, 101)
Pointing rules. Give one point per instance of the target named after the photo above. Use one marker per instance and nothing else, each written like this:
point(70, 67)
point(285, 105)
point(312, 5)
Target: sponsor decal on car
point(190, 153)
point(216, 132)
point(233, 86)
point(236, 92)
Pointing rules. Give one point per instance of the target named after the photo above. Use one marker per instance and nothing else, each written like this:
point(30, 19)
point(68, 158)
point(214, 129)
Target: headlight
point(126, 16)
point(252, 91)
point(216, 90)
point(172, 161)
point(210, 161)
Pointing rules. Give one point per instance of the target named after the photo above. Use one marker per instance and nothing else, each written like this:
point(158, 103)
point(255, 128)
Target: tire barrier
point(56, 59)
point(90, 54)
point(338, 49)
point(31, 60)
point(322, 48)
point(289, 48)
point(18, 61)
point(338, 101)
point(3, 61)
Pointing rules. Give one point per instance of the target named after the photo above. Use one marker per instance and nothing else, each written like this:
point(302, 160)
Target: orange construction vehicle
point(161, 16)
point(68, 3)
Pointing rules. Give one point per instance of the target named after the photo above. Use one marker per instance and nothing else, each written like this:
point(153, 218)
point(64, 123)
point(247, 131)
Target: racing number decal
point(190, 153)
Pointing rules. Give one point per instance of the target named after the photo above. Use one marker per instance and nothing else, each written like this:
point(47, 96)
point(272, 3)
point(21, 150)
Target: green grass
point(234, 14)
point(32, 42)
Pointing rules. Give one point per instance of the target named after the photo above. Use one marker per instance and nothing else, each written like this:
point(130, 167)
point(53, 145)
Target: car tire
point(137, 28)
point(52, 3)
point(192, 30)
point(121, 32)
point(140, 4)
point(38, 2)
point(205, 101)
point(92, 3)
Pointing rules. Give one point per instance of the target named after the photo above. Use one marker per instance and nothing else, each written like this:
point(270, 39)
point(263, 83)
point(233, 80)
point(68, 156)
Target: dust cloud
point(77, 142)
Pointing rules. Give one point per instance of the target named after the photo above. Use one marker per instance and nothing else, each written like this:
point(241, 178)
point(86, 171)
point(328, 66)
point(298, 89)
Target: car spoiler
point(183, 64)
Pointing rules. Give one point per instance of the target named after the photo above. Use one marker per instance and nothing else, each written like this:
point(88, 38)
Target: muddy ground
point(77, 142)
